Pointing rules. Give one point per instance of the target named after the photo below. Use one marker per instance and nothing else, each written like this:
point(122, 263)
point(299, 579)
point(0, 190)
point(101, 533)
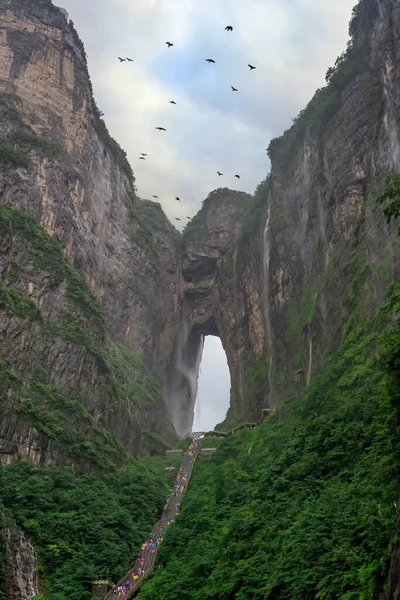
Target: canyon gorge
point(104, 305)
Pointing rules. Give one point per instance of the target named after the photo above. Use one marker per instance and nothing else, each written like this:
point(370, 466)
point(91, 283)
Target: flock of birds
point(209, 61)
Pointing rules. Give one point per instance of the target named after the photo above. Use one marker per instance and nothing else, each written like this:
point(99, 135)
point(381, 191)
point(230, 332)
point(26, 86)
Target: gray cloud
point(291, 42)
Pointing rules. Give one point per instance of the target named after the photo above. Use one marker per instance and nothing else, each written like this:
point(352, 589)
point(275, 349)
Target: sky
point(291, 43)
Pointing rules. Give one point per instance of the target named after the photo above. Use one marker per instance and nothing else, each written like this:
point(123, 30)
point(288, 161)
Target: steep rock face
point(62, 168)
point(20, 578)
point(326, 241)
point(312, 247)
point(215, 301)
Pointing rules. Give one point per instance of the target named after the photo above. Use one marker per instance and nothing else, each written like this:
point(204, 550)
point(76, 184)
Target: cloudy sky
point(291, 42)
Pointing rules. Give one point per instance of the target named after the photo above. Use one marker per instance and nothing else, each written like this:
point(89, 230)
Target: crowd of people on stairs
point(144, 563)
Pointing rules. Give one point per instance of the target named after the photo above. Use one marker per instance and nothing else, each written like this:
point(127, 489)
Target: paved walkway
point(146, 560)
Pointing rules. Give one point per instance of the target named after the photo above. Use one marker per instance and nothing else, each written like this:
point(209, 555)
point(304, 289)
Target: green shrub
point(17, 303)
point(11, 157)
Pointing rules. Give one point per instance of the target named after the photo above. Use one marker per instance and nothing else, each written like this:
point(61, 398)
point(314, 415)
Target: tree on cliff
point(391, 197)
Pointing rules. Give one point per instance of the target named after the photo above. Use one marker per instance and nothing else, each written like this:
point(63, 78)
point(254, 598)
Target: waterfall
point(390, 123)
point(266, 273)
point(309, 362)
point(240, 374)
point(380, 9)
point(21, 579)
point(185, 374)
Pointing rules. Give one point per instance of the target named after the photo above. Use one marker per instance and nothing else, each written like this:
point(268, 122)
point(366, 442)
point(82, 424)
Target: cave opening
point(213, 392)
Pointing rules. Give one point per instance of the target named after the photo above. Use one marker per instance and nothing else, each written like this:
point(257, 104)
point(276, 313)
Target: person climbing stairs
point(133, 579)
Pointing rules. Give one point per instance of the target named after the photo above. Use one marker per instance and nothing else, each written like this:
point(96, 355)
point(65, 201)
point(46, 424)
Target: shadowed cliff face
point(278, 280)
point(60, 167)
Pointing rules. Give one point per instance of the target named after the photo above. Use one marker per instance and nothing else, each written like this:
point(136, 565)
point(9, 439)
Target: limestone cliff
point(313, 242)
point(20, 579)
point(274, 276)
point(89, 296)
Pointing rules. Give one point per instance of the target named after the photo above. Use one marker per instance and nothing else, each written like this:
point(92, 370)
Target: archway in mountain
point(184, 376)
point(212, 400)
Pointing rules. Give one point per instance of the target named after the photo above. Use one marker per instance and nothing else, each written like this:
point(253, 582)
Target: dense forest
point(305, 505)
point(84, 527)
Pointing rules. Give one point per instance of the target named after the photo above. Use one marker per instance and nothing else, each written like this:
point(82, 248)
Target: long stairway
point(133, 579)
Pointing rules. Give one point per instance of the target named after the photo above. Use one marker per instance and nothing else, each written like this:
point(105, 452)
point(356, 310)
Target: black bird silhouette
point(155, 197)
point(177, 199)
point(233, 89)
point(219, 173)
point(237, 176)
point(210, 60)
point(142, 158)
point(229, 28)
point(169, 44)
point(251, 67)
point(161, 128)
point(189, 218)
point(121, 59)
point(143, 154)
point(129, 59)
point(177, 219)
point(172, 102)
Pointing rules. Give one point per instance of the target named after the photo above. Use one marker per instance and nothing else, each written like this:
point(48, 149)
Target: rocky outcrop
point(61, 168)
point(207, 307)
point(20, 580)
point(312, 244)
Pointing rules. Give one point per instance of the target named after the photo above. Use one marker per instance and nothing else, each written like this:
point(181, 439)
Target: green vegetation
point(390, 197)
point(303, 317)
point(14, 147)
point(48, 255)
point(27, 138)
point(196, 228)
point(2, 551)
point(326, 101)
point(303, 506)
point(254, 218)
point(61, 418)
point(49, 5)
point(17, 303)
point(11, 157)
point(144, 235)
point(124, 381)
point(84, 527)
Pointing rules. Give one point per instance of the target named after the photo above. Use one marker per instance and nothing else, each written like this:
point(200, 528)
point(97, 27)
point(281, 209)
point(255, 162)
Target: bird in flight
point(172, 102)
point(210, 60)
point(229, 28)
point(251, 67)
point(161, 128)
point(233, 89)
point(155, 197)
point(142, 158)
point(143, 154)
point(169, 44)
point(177, 199)
point(237, 176)
point(121, 59)
point(177, 219)
point(189, 218)
point(219, 173)
point(129, 59)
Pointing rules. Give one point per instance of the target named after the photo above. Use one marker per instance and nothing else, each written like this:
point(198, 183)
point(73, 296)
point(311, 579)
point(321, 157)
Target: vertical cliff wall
point(89, 297)
point(20, 580)
point(311, 244)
